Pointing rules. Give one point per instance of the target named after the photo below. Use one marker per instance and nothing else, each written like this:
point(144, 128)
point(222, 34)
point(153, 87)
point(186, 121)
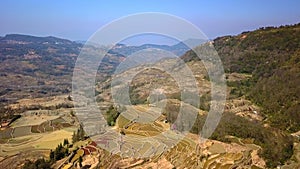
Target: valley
point(156, 125)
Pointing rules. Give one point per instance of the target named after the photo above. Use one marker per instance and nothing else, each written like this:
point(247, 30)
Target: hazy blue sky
point(78, 20)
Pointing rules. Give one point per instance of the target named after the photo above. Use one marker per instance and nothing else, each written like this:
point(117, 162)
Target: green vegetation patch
point(277, 146)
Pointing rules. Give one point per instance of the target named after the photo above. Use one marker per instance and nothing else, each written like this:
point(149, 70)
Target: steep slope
point(272, 57)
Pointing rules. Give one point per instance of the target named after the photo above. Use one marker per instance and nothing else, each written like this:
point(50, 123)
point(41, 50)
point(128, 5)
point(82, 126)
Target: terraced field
point(188, 153)
point(210, 154)
point(32, 120)
point(21, 131)
point(137, 144)
point(34, 142)
point(32, 133)
point(47, 126)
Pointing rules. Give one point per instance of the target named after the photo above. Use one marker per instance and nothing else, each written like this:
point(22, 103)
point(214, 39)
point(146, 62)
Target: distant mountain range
point(123, 49)
point(11, 38)
point(42, 66)
point(178, 49)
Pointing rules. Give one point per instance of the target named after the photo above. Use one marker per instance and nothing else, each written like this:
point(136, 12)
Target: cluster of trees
point(240, 88)
point(79, 135)
point(38, 164)
point(112, 115)
point(279, 96)
point(60, 152)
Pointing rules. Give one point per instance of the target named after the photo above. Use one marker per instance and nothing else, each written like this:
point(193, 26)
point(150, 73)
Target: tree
point(52, 155)
point(74, 137)
point(80, 161)
point(59, 153)
point(79, 135)
point(66, 142)
point(112, 115)
point(38, 164)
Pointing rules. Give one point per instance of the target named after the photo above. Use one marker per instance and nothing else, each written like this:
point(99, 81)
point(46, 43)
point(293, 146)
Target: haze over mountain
point(43, 66)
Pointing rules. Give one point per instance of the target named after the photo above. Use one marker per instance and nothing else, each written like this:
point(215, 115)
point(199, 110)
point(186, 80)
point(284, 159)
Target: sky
point(79, 19)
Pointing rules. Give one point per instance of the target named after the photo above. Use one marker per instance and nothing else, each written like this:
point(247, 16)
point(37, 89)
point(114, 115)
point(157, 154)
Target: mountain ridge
point(271, 56)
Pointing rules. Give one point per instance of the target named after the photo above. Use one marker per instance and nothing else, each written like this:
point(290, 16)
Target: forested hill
point(272, 56)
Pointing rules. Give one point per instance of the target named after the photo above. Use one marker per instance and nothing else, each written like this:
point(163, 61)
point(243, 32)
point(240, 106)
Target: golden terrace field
point(36, 131)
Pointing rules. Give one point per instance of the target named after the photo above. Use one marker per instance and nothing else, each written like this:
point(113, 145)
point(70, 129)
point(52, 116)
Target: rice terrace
point(149, 84)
